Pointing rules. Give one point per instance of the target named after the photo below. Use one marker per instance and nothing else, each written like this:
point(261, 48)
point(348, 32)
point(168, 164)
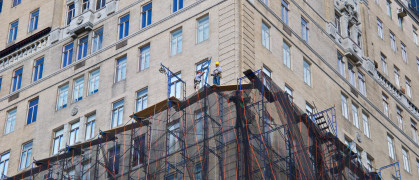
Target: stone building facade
point(69, 68)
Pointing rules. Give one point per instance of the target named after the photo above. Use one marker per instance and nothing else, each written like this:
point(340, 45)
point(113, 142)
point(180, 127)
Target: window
point(146, 15)
point(352, 78)
point(399, 117)
point(198, 168)
point(1, 79)
point(94, 82)
point(71, 12)
point(408, 88)
point(85, 171)
point(384, 63)
point(362, 85)
point(397, 76)
point(265, 36)
point(393, 42)
point(415, 35)
point(400, 19)
point(175, 86)
point(10, 122)
point(385, 104)
point(58, 141)
point(173, 141)
point(404, 53)
point(267, 73)
point(366, 125)
point(287, 55)
point(417, 62)
point(142, 97)
point(304, 30)
point(16, 2)
point(369, 163)
point(199, 125)
point(1, 7)
point(380, 28)
point(25, 158)
point(203, 66)
point(38, 69)
point(97, 40)
point(121, 68)
point(13, 31)
point(176, 45)
point(100, 4)
point(288, 90)
point(82, 51)
point(406, 163)
point(355, 118)
point(177, 5)
point(307, 73)
point(203, 29)
point(417, 163)
point(284, 9)
point(341, 65)
point(145, 57)
point(389, 8)
point(309, 109)
point(78, 89)
point(139, 150)
point(344, 102)
point(17, 79)
point(113, 165)
point(62, 97)
point(4, 163)
point(74, 133)
point(33, 111)
point(33, 25)
point(85, 5)
point(90, 126)
point(123, 26)
point(67, 55)
point(390, 147)
point(414, 131)
point(337, 23)
point(117, 113)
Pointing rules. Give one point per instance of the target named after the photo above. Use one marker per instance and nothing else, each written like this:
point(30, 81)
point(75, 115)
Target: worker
point(217, 74)
point(198, 78)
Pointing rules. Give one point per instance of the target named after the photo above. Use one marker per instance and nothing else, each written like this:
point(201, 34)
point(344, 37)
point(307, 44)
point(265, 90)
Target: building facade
point(71, 68)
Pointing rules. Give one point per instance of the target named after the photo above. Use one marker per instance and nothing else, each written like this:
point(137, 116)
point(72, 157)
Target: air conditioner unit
point(401, 12)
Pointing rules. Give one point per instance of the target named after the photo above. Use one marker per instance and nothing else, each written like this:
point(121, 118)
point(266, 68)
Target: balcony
point(352, 50)
point(24, 48)
point(81, 23)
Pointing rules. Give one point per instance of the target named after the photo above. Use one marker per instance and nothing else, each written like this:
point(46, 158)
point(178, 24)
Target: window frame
point(10, 121)
point(119, 109)
point(141, 96)
point(178, 6)
point(97, 39)
point(202, 23)
point(67, 55)
point(82, 47)
point(13, 29)
point(362, 83)
point(121, 69)
point(380, 28)
point(100, 4)
point(286, 51)
point(176, 38)
point(32, 111)
point(17, 79)
point(304, 29)
point(58, 135)
point(266, 36)
point(70, 13)
point(366, 125)
point(123, 26)
point(33, 20)
point(406, 161)
point(390, 144)
point(38, 69)
point(78, 87)
point(76, 131)
point(145, 53)
point(61, 91)
point(307, 72)
point(92, 84)
point(344, 104)
point(90, 126)
point(285, 12)
point(146, 14)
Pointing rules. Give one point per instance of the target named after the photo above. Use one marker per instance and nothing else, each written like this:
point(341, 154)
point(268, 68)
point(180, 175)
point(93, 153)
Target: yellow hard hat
point(217, 63)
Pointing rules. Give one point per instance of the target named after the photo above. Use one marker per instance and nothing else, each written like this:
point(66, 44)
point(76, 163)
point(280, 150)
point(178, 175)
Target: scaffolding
point(244, 131)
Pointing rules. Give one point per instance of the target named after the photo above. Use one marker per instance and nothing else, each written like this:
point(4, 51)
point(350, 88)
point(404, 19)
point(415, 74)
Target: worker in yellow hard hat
point(217, 74)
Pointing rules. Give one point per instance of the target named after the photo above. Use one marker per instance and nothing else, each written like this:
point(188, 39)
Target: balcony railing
point(23, 52)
